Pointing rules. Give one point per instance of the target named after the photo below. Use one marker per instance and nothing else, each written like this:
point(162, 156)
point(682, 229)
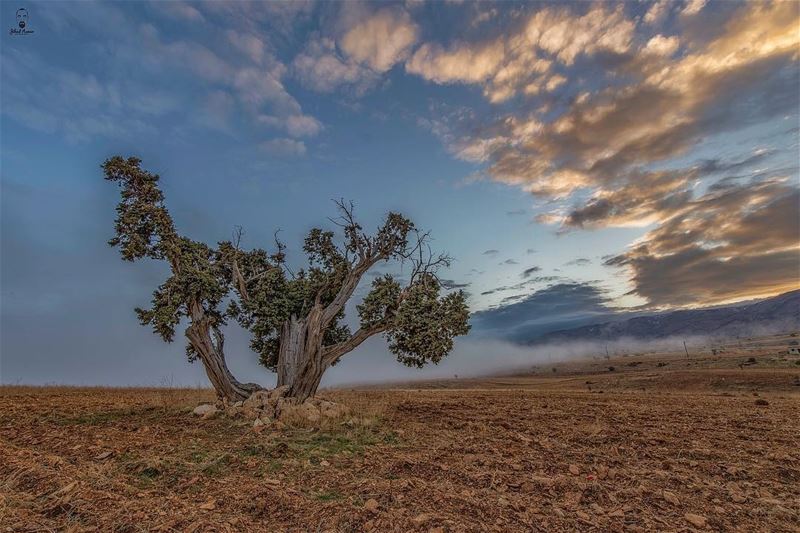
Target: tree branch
point(331, 354)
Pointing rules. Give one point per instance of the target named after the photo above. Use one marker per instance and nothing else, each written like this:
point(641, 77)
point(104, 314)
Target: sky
point(578, 160)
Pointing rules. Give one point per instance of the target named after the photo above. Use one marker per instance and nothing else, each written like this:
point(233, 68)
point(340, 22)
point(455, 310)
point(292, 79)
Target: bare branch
point(331, 354)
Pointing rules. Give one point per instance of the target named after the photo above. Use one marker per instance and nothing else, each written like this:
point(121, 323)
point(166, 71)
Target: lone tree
point(295, 319)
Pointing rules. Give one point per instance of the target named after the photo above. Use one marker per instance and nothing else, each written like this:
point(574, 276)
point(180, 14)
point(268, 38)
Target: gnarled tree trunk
point(300, 356)
point(211, 354)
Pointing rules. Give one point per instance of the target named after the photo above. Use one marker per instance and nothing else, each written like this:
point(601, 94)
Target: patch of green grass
point(328, 496)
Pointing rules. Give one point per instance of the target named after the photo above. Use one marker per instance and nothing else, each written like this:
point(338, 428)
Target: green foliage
point(262, 294)
point(424, 324)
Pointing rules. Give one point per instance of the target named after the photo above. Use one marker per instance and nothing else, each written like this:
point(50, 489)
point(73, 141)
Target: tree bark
point(291, 351)
point(212, 356)
point(302, 360)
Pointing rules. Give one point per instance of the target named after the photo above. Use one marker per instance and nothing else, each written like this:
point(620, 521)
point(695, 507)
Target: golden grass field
point(661, 443)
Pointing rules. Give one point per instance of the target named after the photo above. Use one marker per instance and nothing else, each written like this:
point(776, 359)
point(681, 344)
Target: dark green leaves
point(425, 324)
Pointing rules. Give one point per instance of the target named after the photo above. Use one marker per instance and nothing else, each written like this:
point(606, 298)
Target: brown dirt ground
point(641, 448)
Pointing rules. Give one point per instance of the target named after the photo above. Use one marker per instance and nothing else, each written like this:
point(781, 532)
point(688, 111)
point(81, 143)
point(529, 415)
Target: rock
point(237, 404)
point(234, 411)
point(210, 505)
point(671, 497)
point(256, 400)
point(205, 409)
point(305, 411)
point(695, 519)
point(574, 470)
point(421, 519)
point(278, 425)
point(371, 505)
point(257, 422)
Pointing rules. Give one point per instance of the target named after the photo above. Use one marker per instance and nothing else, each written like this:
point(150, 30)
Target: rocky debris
point(272, 408)
point(695, 519)
point(206, 410)
point(371, 505)
point(671, 497)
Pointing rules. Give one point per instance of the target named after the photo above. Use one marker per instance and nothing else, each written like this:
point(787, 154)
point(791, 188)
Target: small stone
point(421, 519)
point(257, 422)
point(671, 497)
point(695, 519)
point(574, 470)
point(205, 409)
point(618, 513)
point(210, 505)
point(371, 505)
point(324, 463)
point(104, 455)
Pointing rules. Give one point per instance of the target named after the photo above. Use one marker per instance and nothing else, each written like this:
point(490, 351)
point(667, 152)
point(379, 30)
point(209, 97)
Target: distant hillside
point(779, 314)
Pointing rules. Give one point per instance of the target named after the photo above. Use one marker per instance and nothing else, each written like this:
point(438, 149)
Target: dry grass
point(639, 449)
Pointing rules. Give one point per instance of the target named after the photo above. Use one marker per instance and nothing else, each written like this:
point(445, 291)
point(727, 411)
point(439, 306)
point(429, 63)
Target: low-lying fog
point(147, 361)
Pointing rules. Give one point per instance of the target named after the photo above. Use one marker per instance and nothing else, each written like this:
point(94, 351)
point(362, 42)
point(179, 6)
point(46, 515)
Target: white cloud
point(693, 7)
point(657, 11)
point(303, 126)
point(518, 60)
point(321, 68)
point(662, 46)
point(381, 40)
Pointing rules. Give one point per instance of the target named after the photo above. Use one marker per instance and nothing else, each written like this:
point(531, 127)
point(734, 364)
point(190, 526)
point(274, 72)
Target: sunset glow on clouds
point(638, 154)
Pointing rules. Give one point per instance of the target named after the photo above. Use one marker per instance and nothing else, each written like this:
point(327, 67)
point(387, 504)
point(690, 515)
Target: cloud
point(556, 307)
point(693, 7)
point(242, 63)
point(491, 252)
point(581, 261)
point(381, 40)
point(604, 155)
point(521, 61)
point(181, 11)
point(322, 68)
point(529, 271)
point(303, 126)
point(370, 45)
point(509, 262)
point(742, 242)
point(450, 284)
point(284, 147)
point(657, 11)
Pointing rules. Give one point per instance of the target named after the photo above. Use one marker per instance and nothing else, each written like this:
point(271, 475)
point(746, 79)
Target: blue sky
point(609, 156)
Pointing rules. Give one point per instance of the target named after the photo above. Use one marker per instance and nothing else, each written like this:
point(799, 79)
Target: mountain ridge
point(777, 314)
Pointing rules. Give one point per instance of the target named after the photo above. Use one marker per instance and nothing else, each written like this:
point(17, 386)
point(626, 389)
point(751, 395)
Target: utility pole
point(685, 349)
point(607, 356)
